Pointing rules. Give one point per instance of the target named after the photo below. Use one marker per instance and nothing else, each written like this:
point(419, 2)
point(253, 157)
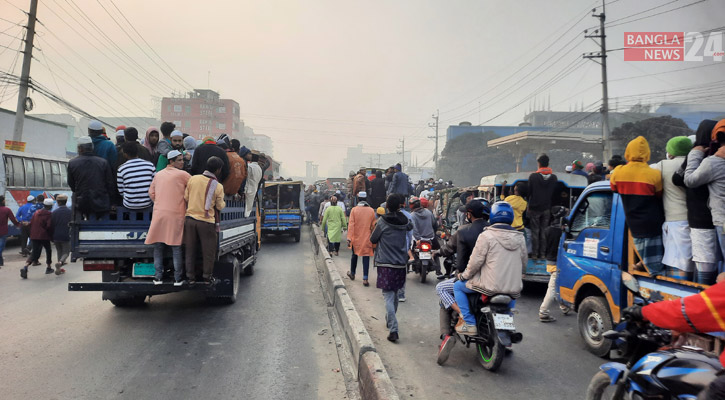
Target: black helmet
point(478, 209)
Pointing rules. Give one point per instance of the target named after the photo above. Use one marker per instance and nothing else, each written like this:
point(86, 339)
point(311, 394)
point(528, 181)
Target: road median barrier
point(373, 379)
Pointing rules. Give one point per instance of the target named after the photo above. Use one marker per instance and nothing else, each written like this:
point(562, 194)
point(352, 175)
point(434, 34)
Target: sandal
point(366, 283)
point(351, 276)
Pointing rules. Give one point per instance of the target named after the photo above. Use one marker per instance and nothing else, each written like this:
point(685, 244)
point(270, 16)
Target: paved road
point(274, 343)
point(550, 363)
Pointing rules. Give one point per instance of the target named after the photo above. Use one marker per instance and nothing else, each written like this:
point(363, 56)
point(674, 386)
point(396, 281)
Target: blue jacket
point(25, 213)
point(104, 148)
point(400, 184)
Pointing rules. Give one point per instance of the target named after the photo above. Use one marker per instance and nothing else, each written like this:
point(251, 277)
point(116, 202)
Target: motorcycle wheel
point(423, 275)
point(600, 387)
point(490, 355)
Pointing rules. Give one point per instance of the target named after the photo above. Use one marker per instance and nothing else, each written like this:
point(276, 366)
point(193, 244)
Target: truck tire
point(594, 319)
point(297, 235)
point(130, 301)
point(228, 298)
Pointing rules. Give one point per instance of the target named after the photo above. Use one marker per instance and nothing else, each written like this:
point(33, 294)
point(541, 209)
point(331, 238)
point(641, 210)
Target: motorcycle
point(496, 329)
point(423, 259)
point(654, 370)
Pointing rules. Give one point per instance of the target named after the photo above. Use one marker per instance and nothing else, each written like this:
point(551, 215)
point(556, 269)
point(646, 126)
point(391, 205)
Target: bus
point(23, 174)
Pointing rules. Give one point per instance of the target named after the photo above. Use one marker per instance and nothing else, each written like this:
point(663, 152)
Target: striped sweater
point(134, 179)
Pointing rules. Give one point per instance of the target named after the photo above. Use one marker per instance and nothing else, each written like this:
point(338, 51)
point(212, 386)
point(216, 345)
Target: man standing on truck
point(237, 168)
point(711, 171)
point(542, 185)
point(91, 180)
point(641, 190)
point(134, 178)
point(254, 176)
point(102, 147)
point(205, 198)
point(675, 231)
point(167, 226)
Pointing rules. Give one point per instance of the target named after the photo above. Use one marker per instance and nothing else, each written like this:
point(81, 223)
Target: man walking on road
point(399, 185)
point(167, 226)
point(334, 220)
point(391, 257)
point(361, 225)
point(41, 234)
point(24, 215)
point(59, 221)
point(542, 184)
point(6, 215)
point(205, 198)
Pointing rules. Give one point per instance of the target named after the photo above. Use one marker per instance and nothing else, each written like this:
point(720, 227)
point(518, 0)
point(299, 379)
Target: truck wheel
point(594, 319)
point(297, 236)
point(130, 301)
point(229, 298)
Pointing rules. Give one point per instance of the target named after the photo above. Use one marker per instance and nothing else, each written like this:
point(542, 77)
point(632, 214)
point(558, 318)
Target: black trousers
point(24, 236)
point(538, 220)
point(38, 246)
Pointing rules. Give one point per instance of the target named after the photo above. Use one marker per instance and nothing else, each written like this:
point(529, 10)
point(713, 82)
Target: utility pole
point(600, 34)
point(402, 163)
point(435, 125)
point(25, 74)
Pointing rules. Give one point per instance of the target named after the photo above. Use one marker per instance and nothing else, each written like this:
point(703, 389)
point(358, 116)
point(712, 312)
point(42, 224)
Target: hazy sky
point(320, 75)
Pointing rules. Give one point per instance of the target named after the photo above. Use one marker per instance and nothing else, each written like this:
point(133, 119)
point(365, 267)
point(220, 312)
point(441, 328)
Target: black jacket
point(204, 153)
point(467, 236)
point(59, 221)
point(698, 212)
point(91, 180)
point(377, 192)
point(541, 191)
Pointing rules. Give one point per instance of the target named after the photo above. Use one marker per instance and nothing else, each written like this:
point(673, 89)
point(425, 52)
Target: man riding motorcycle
point(702, 312)
point(461, 243)
point(424, 227)
point(495, 267)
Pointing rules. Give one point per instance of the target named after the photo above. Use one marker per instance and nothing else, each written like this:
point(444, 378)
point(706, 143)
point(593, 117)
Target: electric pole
point(435, 156)
point(25, 74)
point(402, 163)
point(600, 34)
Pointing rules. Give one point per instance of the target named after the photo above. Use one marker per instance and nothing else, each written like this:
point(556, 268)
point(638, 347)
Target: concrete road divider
point(373, 380)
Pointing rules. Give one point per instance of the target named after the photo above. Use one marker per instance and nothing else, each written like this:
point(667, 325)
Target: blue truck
point(569, 189)
point(283, 208)
point(594, 249)
point(114, 245)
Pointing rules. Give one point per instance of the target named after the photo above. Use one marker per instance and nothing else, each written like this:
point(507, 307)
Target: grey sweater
point(710, 171)
point(390, 235)
point(424, 224)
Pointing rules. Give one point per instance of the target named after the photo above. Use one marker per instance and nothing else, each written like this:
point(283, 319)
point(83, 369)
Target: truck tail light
point(98, 265)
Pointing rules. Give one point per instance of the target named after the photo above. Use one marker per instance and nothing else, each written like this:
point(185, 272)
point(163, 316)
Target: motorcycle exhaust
point(516, 337)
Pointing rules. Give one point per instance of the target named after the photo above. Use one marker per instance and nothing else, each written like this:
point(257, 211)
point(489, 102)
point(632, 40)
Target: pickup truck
point(114, 245)
point(594, 249)
point(283, 205)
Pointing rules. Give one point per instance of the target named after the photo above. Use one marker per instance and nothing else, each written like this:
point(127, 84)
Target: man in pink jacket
point(167, 226)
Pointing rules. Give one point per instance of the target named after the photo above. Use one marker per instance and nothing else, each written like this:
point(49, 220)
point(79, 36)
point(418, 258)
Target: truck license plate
point(424, 256)
point(142, 270)
point(504, 322)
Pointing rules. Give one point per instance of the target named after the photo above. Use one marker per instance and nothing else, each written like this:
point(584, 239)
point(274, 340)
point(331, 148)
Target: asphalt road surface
point(274, 343)
point(550, 362)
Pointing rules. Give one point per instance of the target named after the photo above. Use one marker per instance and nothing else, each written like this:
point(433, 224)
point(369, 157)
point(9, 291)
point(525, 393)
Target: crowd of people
point(181, 180)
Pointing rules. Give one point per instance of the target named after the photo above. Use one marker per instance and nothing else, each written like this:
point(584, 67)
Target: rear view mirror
point(630, 282)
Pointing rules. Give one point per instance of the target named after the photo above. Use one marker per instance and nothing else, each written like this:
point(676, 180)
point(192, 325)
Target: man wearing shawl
point(204, 196)
point(151, 143)
point(254, 175)
point(207, 150)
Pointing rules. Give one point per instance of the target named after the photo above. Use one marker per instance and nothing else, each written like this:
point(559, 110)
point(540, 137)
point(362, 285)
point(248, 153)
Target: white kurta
point(254, 175)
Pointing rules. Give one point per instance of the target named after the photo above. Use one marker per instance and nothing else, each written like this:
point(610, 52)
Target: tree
point(467, 158)
point(656, 130)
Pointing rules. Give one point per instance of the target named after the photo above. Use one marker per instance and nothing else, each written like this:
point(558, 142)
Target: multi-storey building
point(203, 113)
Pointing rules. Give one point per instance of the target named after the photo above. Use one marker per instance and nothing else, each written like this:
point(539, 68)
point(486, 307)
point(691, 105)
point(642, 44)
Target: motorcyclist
point(495, 267)
point(461, 243)
point(701, 312)
point(424, 227)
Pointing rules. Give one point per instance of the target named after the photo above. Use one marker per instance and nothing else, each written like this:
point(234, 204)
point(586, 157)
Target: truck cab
point(594, 249)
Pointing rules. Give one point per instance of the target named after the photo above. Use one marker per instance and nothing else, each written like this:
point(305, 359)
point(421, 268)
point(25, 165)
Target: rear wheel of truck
point(129, 301)
point(594, 319)
point(297, 235)
point(231, 296)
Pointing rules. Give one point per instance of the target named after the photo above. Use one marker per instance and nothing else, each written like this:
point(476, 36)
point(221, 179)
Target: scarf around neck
point(545, 170)
point(209, 194)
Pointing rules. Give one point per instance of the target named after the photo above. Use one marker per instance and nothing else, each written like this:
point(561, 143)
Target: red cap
point(424, 202)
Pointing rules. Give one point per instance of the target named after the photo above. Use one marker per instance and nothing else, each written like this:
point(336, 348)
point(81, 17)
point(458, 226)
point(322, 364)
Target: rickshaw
point(283, 208)
point(569, 189)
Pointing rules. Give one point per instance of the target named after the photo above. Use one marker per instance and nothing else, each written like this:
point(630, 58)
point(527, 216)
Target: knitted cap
point(679, 146)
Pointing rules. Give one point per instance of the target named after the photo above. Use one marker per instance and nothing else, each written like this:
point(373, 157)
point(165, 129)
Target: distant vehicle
point(283, 208)
point(23, 174)
point(569, 190)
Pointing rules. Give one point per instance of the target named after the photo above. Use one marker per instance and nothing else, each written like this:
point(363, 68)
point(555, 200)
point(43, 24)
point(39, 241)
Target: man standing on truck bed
point(640, 187)
point(542, 184)
point(167, 226)
point(91, 180)
point(205, 198)
point(134, 178)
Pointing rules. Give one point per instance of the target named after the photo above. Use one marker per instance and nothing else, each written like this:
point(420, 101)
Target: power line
point(660, 13)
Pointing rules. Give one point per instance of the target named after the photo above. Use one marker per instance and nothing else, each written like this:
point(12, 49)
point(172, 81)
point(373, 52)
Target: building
point(40, 136)
point(203, 113)
point(262, 143)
